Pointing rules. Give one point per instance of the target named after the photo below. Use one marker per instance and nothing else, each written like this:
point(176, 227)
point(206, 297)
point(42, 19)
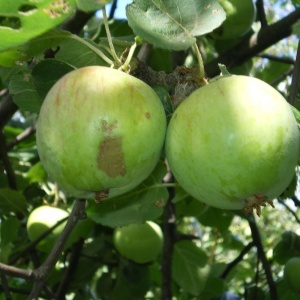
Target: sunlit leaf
point(174, 24)
point(22, 20)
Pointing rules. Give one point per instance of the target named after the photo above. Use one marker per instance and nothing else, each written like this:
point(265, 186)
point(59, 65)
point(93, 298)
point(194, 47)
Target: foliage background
point(209, 253)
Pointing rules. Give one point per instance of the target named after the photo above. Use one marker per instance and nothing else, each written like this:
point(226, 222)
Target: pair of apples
point(232, 144)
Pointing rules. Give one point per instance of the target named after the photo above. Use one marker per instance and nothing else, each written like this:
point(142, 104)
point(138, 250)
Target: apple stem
point(129, 57)
point(200, 63)
point(111, 45)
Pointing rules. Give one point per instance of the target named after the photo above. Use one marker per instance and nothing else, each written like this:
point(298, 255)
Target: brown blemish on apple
point(111, 157)
point(148, 115)
point(109, 128)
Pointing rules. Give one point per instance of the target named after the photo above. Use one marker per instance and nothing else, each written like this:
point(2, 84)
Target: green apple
point(141, 243)
point(292, 273)
point(42, 219)
point(240, 15)
point(234, 143)
point(45, 217)
point(100, 132)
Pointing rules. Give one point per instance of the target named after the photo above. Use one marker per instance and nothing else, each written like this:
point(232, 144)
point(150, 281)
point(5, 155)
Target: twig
point(295, 78)
point(7, 109)
point(15, 258)
point(261, 13)
point(239, 258)
point(285, 60)
point(261, 253)
point(16, 272)
point(281, 77)
point(6, 288)
point(290, 210)
point(255, 44)
point(22, 136)
point(11, 178)
point(77, 22)
point(41, 274)
point(113, 9)
point(169, 228)
point(67, 278)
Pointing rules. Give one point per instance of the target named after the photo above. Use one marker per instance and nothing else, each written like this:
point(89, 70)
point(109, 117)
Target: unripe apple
point(100, 131)
point(45, 217)
point(141, 243)
point(233, 143)
point(240, 14)
point(292, 273)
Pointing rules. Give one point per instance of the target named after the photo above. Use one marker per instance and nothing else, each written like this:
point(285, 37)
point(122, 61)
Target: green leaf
point(288, 247)
point(37, 173)
point(174, 24)
point(139, 205)
point(12, 201)
point(22, 20)
point(132, 283)
point(24, 92)
point(271, 71)
point(213, 288)
point(190, 268)
point(9, 230)
point(47, 72)
point(217, 218)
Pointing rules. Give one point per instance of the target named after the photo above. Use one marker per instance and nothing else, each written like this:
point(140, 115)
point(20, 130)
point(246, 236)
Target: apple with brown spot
point(100, 132)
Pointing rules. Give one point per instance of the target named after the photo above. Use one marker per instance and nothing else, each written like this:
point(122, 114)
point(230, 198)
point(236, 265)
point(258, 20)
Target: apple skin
point(100, 131)
point(232, 140)
point(44, 217)
point(292, 273)
point(141, 243)
point(240, 15)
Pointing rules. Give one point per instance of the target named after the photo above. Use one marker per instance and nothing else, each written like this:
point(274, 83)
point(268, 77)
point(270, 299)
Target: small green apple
point(45, 217)
point(100, 132)
point(240, 15)
point(141, 243)
point(42, 219)
point(234, 143)
point(292, 273)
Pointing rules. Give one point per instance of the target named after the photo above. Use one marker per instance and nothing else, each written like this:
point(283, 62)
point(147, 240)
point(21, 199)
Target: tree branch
point(261, 254)
point(295, 78)
point(11, 178)
point(77, 22)
point(169, 230)
point(261, 13)
point(254, 45)
point(7, 109)
point(41, 274)
point(239, 258)
point(67, 278)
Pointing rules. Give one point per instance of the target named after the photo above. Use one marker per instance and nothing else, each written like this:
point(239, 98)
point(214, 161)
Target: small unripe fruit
point(141, 243)
point(100, 131)
point(240, 14)
point(42, 218)
point(234, 143)
point(292, 273)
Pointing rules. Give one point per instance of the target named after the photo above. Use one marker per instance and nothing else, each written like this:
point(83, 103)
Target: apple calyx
point(256, 202)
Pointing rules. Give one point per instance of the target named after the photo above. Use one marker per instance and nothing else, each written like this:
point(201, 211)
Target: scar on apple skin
point(111, 158)
point(99, 196)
